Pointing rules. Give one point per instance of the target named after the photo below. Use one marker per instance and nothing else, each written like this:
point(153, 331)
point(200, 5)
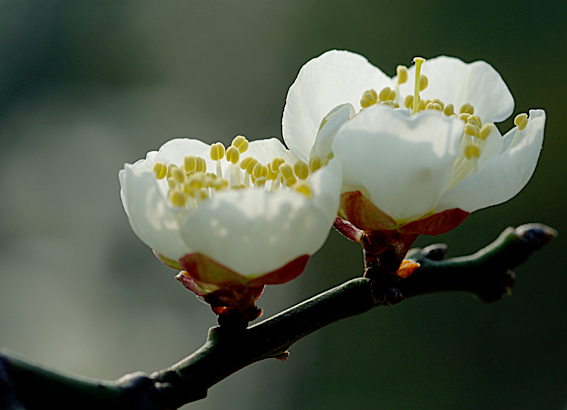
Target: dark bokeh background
point(86, 86)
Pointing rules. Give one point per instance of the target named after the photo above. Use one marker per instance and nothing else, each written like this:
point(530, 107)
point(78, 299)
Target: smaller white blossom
point(250, 223)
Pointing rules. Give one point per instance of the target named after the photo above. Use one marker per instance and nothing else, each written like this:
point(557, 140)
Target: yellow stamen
point(423, 82)
point(485, 131)
point(232, 155)
point(467, 108)
point(521, 121)
point(201, 165)
point(402, 72)
point(248, 164)
point(287, 173)
point(160, 169)
point(241, 143)
point(190, 164)
point(472, 129)
point(303, 188)
point(301, 169)
point(217, 151)
point(314, 163)
point(449, 109)
point(177, 197)
point(368, 98)
point(472, 150)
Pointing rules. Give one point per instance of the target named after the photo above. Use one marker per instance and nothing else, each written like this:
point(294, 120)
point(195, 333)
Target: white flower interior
point(477, 136)
point(189, 183)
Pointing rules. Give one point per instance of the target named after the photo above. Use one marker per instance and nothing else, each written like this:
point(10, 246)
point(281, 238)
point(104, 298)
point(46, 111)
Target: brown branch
point(487, 274)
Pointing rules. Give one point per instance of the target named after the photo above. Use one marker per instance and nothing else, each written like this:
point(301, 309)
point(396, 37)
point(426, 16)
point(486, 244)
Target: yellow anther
point(190, 164)
point(160, 170)
point(301, 169)
point(485, 131)
point(422, 104)
point(324, 162)
point(521, 121)
point(287, 173)
point(384, 94)
point(217, 151)
point(389, 103)
point(239, 186)
point(472, 129)
point(467, 108)
point(272, 175)
point(276, 162)
point(201, 165)
point(196, 180)
point(472, 150)
point(177, 174)
point(260, 171)
point(172, 182)
point(475, 119)
point(434, 106)
point(314, 163)
point(402, 72)
point(449, 109)
point(177, 197)
point(260, 182)
point(241, 143)
point(408, 101)
point(248, 164)
point(232, 154)
point(464, 116)
point(303, 188)
point(368, 98)
point(219, 184)
point(418, 62)
point(423, 82)
point(438, 101)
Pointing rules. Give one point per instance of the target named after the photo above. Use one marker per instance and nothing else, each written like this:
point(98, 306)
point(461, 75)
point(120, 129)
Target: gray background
point(88, 85)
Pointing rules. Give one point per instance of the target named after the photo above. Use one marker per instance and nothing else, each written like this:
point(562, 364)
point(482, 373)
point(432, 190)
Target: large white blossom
point(413, 163)
point(252, 230)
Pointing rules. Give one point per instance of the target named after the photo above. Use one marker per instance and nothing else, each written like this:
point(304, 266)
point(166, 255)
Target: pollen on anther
point(423, 82)
point(370, 97)
point(314, 163)
point(232, 154)
point(177, 197)
point(217, 151)
point(303, 188)
point(201, 165)
point(402, 72)
point(301, 169)
point(190, 163)
point(471, 150)
point(472, 129)
point(485, 131)
point(287, 173)
point(241, 143)
point(521, 121)
point(160, 170)
point(248, 164)
point(467, 108)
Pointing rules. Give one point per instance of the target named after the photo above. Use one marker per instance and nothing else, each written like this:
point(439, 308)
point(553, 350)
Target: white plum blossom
point(415, 145)
point(244, 207)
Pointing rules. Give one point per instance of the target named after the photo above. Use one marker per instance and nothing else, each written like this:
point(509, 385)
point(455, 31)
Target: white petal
point(456, 82)
point(334, 78)
point(332, 122)
point(151, 217)
point(504, 176)
point(404, 162)
point(254, 232)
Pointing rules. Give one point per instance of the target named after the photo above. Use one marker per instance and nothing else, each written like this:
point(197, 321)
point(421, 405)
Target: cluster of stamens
point(190, 183)
point(475, 133)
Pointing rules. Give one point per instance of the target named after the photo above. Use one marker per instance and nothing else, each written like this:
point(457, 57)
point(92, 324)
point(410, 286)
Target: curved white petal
point(334, 78)
point(151, 217)
point(456, 82)
point(255, 231)
point(404, 162)
point(505, 175)
point(330, 125)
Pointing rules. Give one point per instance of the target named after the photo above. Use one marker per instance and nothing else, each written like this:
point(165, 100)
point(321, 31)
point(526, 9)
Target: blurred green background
point(88, 85)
